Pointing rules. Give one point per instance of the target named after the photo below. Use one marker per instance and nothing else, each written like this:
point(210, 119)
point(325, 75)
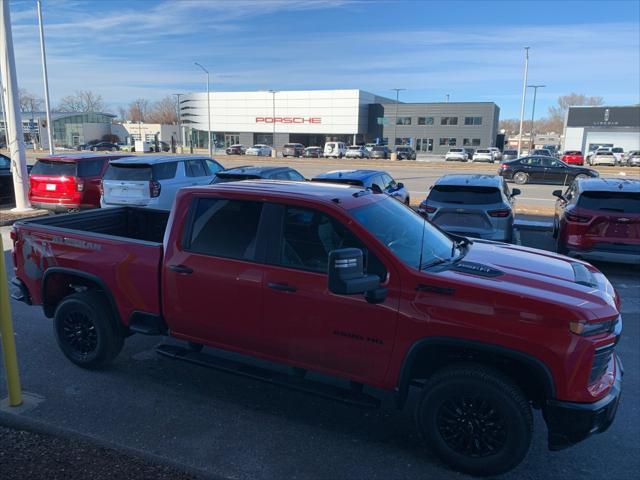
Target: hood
point(537, 275)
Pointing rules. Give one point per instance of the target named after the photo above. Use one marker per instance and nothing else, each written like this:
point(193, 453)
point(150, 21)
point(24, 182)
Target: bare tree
point(138, 110)
point(29, 102)
point(163, 111)
point(123, 114)
point(573, 99)
point(510, 126)
point(82, 101)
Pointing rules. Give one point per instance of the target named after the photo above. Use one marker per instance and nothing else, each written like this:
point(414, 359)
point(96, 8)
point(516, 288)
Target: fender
point(78, 273)
point(402, 389)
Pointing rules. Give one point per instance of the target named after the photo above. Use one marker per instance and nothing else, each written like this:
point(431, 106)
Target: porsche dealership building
point(313, 117)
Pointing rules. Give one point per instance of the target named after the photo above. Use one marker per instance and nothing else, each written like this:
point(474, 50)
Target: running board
point(321, 389)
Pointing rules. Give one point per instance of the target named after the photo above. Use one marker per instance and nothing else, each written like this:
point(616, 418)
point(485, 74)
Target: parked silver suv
point(478, 206)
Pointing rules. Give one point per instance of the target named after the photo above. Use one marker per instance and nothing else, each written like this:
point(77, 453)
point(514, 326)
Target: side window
point(213, 166)
point(389, 182)
point(165, 171)
point(284, 175)
point(571, 192)
point(309, 236)
point(295, 176)
point(90, 168)
point(225, 228)
point(195, 168)
point(377, 180)
point(544, 162)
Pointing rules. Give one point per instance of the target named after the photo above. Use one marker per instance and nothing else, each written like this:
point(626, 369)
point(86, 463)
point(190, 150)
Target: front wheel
point(475, 419)
point(86, 331)
point(520, 178)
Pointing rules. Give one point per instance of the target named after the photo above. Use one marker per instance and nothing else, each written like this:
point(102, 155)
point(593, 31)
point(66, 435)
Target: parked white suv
point(153, 181)
point(335, 149)
point(497, 154)
point(457, 154)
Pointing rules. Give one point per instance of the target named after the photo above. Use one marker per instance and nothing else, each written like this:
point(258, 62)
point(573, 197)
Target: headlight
point(586, 329)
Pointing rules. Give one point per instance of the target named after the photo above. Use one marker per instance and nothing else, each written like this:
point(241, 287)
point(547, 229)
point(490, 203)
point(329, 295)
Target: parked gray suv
point(478, 206)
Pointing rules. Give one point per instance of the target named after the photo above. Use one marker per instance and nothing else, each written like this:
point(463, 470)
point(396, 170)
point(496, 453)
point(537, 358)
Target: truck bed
point(125, 222)
point(118, 248)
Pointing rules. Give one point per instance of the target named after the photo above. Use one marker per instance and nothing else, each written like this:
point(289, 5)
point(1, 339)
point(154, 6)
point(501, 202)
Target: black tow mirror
point(558, 193)
point(516, 191)
point(346, 276)
point(400, 185)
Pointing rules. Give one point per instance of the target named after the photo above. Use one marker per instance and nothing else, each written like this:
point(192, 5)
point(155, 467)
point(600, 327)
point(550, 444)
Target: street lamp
point(395, 123)
point(178, 95)
point(533, 110)
point(208, 109)
point(46, 81)
point(274, 153)
point(524, 96)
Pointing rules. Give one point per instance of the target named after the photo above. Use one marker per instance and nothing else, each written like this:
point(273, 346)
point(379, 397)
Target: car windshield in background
point(378, 149)
point(404, 232)
point(465, 194)
point(343, 181)
point(47, 167)
point(573, 152)
point(604, 153)
point(232, 177)
point(483, 151)
point(456, 150)
point(354, 148)
point(621, 202)
point(130, 172)
point(510, 152)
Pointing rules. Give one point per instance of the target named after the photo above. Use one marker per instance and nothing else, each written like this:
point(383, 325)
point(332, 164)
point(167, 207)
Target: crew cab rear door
point(307, 325)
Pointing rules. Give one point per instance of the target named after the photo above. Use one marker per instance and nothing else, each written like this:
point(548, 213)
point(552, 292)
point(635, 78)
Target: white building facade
point(310, 117)
point(587, 128)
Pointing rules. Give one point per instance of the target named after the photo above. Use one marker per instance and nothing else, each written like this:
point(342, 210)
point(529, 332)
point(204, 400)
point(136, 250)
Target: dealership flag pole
point(46, 80)
point(15, 141)
point(208, 110)
point(524, 97)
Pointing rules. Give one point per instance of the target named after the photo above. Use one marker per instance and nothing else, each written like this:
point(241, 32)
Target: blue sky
point(470, 50)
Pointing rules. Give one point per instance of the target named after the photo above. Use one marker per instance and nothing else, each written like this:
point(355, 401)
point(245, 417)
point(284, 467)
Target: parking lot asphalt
point(228, 426)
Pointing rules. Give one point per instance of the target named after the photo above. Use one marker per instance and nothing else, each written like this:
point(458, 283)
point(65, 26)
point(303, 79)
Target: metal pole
point(8, 340)
point(524, 96)
point(395, 122)
point(208, 109)
point(274, 153)
point(15, 141)
point(178, 95)
point(446, 98)
point(533, 110)
point(46, 81)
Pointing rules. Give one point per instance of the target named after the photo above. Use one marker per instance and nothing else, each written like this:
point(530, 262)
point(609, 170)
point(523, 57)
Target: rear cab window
point(465, 194)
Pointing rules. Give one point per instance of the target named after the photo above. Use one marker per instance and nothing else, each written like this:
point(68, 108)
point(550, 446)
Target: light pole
point(178, 95)
point(533, 110)
point(274, 153)
point(524, 96)
point(46, 81)
point(208, 110)
point(395, 122)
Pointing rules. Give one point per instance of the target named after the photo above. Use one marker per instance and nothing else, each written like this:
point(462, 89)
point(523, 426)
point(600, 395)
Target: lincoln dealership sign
point(604, 117)
point(315, 120)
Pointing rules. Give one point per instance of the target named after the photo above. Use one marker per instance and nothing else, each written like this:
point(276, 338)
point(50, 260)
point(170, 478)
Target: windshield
point(130, 172)
point(465, 194)
point(621, 202)
point(47, 167)
point(404, 232)
point(232, 177)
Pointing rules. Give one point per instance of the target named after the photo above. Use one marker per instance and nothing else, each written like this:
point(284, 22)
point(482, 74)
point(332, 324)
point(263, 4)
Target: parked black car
point(543, 169)
point(6, 180)
point(256, 172)
point(313, 152)
point(406, 153)
point(104, 146)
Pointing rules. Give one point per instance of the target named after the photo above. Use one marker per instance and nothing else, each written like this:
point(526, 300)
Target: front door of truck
point(304, 323)
point(212, 282)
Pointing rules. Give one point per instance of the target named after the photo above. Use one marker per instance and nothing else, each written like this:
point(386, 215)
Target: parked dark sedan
point(257, 172)
point(6, 180)
point(313, 152)
point(104, 146)
point(406, 153)
point(367, 179)
point(543, 169)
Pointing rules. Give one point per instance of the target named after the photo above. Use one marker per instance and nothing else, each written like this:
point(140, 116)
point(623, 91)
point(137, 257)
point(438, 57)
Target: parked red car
point(68, 181)
point(573, 157)
point(599, 219)
point(235, 150)
point(350, 284)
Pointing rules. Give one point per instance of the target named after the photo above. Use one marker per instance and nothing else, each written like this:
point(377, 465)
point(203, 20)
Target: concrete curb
point(19, 422)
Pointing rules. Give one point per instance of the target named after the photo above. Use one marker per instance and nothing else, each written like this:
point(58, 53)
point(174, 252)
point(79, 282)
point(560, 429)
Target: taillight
point(573, 217)
point(101, 188)
point(428, 208)
point(504, 166)
point(500, 213)
point(13, 235)
point(154, 188)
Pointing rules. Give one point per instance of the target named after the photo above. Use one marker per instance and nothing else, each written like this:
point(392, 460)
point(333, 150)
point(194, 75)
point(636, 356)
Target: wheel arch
point(428, 355)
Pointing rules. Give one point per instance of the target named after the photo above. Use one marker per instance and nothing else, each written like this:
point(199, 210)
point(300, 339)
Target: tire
point(561, 248)
point(86, 330)
point(555, 227)
point(113, 149)
point(520, 178)
point(446, 409)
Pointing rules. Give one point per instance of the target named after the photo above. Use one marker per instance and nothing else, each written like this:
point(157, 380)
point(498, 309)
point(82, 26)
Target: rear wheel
point(86, 330)
point(475, 419)
point(520, 178)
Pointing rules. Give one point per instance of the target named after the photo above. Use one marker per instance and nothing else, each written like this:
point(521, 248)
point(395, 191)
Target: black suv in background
point(293, 150)
point(405, 153)
point(543, 169)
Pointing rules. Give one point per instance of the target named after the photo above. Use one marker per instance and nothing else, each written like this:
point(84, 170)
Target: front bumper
point(569, 423)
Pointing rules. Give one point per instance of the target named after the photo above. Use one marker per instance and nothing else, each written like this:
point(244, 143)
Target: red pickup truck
point(350, 284)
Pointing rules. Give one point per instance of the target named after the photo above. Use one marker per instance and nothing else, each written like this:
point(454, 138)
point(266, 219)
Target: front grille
point(601, 360)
